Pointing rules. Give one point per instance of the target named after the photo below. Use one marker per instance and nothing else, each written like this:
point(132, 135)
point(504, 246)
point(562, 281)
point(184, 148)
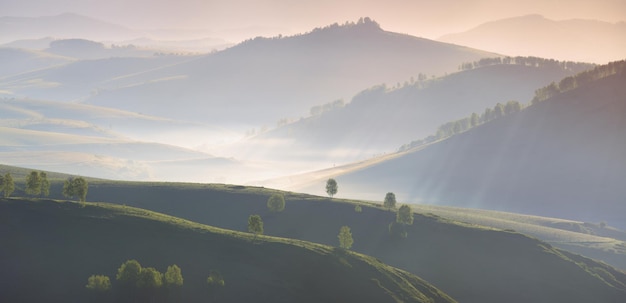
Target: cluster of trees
point(572, 82)
point(76, 187)
point(456, 127)
point(404, 216)
point(527, 61)
point(135, 283)
point(37, 184)
point(330, 106)
point(7, 185)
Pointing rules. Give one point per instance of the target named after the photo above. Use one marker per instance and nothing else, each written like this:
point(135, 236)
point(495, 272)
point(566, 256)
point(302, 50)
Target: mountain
point(534, 35)
point(380, 119)
point(263, 80)
point(64, 26)
point(562, 157)
point(53, 247)
point(469, 262)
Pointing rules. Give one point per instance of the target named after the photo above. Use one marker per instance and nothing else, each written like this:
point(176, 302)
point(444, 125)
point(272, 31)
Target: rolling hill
point(380, 119)
point(288, 75)
point(17, 61)
point(534, 35)
point(471, 263)
point(52, 247)
point(563, 157)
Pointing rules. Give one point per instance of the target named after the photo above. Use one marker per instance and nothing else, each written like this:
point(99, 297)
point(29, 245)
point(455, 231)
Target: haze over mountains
point(534, 35)
point(381, 119)
point(561, 157)
point(446, 126)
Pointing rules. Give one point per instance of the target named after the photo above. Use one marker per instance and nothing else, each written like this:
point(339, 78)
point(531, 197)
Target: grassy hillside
point(52, 247)
point(470, 263)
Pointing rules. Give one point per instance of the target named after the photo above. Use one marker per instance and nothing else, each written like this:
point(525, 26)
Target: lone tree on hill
point(7, 186)
point(405, 215)
point(76, 187)
point(276, 203)
point(255, 225)
point(33, 184)
point(345, 237)
point(331, 187)
point(390, 200)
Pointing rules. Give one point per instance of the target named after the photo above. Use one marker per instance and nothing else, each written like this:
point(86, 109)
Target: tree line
point(134, 283)
point(37, 184)
point(527, 61)
point(458, 126)
point(580, 79)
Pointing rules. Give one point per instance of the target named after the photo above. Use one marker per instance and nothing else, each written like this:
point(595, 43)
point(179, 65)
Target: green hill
point(50, 248)
point(470, 263)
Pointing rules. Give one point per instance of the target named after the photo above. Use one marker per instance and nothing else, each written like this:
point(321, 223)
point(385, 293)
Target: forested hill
point(561, 157)
point(382, 118)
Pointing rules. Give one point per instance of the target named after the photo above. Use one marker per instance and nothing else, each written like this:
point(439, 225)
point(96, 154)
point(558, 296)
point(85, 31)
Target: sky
point(423, 18)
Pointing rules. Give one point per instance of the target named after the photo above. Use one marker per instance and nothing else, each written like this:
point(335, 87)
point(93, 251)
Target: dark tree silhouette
point(331, 187)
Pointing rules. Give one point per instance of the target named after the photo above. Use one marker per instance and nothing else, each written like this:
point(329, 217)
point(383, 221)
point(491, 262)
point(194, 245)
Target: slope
point(470, 263)
point(16, 61)
point(265, 79)
point(563, 157)
point(54, 246)
point(534, 35)
point(381, 119)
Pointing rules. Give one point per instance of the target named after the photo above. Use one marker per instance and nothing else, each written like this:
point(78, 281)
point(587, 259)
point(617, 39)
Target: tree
point(150, 278)
point(8, 186)
point(215, 279)
point(45, 184)
point(150, 281)
point(474, 120)
point(276, 203)
point(405, 215)
point(98, 283)
point(255, 225)
point(76, 187)
point(390, 200)
point(331, 187)
point(345, 237)
point(128, 273)
point(33, 184)
point(173, 276)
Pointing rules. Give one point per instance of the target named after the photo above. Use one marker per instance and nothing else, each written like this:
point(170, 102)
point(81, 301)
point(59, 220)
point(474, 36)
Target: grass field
point(53, 246)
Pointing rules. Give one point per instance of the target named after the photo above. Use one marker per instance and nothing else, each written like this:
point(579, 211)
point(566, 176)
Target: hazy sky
point(426, 18)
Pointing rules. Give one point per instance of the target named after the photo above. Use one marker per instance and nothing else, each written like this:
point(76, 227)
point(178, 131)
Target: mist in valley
point(499, 126)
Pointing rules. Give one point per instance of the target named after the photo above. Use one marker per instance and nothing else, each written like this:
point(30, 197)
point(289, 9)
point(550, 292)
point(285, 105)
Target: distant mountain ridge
point(534, 35)
point(287, 74)
point(67, 25)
